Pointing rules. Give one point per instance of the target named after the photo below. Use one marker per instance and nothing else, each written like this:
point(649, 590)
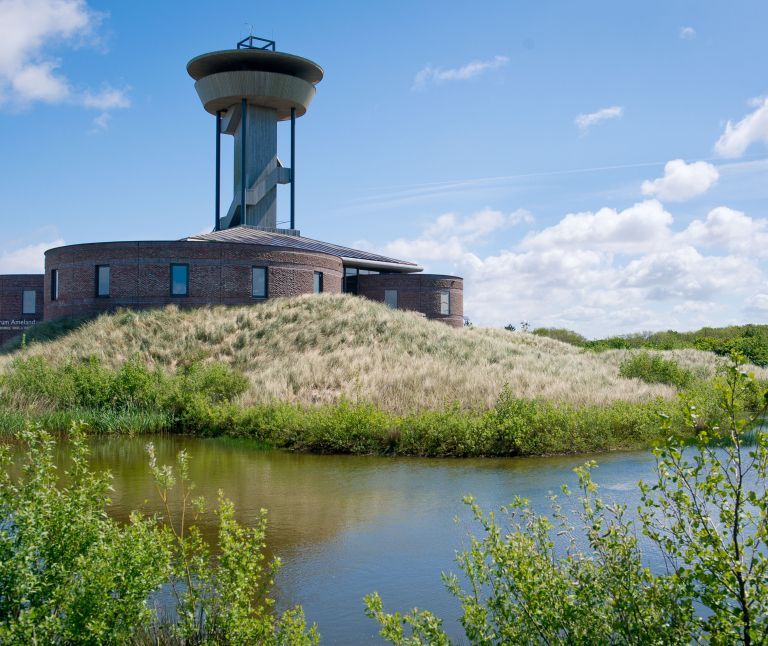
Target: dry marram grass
point(314, 349)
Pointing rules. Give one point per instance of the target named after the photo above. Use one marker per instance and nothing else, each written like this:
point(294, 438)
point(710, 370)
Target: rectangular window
point(390, 298)
point(54, 284)
point(350, 280)
point(445, 302)
point(318, 282)
point(29, 301)
point(259, 282)
point(179, 280)
point(102, 281)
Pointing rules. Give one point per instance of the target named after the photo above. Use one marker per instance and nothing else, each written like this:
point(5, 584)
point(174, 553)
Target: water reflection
point(345, 526)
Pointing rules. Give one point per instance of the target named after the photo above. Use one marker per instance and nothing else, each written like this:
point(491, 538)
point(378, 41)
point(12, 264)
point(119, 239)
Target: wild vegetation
point(530, 578)
point(201, 398)
point(70, 574)
point(344, 375)
point(312, 350)
point(750, 341)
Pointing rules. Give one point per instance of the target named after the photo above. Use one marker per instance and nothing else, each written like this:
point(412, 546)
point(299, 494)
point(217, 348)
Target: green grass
point(748, 340)
point(339, 374)
point(201, 399)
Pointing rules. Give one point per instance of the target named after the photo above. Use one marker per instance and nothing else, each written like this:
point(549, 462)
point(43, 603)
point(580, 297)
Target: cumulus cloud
point(430, 74)
point(604, 272)
point(586, 121)
point(731, 230)
point(687, 33)
point(751, 129)
point(682, 181)
point(28, 259)
point(446, 239)
point(641, 226)
point(29, 73)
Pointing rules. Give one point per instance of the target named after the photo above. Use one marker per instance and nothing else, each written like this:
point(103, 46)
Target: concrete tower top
point(264, 78)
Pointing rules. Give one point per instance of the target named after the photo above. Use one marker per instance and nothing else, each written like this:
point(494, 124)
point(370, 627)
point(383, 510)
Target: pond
point(345, 526)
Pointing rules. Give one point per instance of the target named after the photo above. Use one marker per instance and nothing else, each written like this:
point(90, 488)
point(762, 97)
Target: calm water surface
point(345, 526)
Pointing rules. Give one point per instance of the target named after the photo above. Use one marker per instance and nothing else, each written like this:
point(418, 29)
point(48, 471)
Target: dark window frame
point(54, 284)
point(170, 276)
point(109, 282)
point(447, 292)
point(266, 283)
point(23, 311)
point(319, 284)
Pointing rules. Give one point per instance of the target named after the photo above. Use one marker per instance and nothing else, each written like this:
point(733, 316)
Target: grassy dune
point(313, 350)
point(345, 375)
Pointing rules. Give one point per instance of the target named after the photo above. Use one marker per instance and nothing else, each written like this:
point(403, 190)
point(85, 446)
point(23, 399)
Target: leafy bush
point(561, 334)
point(655, 369)
point(70, 574)
point(533, 579)
point(89, 385)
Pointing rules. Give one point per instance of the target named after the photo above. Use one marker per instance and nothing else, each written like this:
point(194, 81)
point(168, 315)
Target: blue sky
point(600, 166)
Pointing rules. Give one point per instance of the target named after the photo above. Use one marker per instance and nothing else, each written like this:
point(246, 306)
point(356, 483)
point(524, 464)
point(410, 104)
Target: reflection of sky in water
point(345, 526)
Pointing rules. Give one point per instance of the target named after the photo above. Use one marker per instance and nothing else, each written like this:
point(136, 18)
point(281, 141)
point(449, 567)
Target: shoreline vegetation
point(576, 574)
point(337, 374)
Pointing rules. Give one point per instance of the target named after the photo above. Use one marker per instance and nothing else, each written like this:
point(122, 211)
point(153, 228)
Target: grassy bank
point(205, 399)
point(343, 375)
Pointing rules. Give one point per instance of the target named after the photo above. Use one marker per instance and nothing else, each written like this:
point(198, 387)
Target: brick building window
point(54, 284)
point(259, 282)
point(29, 301)
point(179, 280)
point(445, 302)
point(318, 282)
point(102, 281)
point(390, 298)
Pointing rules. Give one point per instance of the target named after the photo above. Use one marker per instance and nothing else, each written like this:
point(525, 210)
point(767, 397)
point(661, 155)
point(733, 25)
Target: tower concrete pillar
point(252, 89)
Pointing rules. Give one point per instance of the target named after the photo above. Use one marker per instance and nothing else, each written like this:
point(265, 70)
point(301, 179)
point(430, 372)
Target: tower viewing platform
point(248, 90)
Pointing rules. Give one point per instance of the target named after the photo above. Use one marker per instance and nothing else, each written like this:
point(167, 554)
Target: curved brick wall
point(219, 273)
point(12, 319)
point(418, 292)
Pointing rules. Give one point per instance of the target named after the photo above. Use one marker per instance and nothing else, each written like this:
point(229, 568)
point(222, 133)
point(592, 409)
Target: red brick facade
point(219, 273)
point(418, 292)
point(13, 320)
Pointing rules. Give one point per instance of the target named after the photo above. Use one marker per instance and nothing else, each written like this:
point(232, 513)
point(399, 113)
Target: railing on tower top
point(247, 43)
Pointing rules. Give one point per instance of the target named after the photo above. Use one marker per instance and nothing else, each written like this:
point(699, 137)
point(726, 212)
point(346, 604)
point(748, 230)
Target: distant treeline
point(749, 340)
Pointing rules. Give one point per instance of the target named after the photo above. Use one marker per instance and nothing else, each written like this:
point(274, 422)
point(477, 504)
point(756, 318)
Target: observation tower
point(248, 90)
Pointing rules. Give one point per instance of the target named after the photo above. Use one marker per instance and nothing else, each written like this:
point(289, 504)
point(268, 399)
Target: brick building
point(246, 258)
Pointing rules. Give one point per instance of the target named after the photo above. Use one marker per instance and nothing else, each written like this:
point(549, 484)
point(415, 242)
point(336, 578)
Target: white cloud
point(28, 259)
point(682, 181)
point(447, 237)
point(730, 230)
point(28, 72)
point(586, 121)
point(687, 33)
point(751, 129)
point(604, 272)
point(438, 74)
point(758, 302)
point(642, 226)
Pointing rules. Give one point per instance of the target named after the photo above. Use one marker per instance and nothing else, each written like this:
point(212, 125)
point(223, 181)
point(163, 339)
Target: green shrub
point(655, 369)
point(561, 334)
point(69, 574)
point(562, 578)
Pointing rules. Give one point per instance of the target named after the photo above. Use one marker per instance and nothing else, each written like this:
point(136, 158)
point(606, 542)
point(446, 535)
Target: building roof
point(350, 257)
